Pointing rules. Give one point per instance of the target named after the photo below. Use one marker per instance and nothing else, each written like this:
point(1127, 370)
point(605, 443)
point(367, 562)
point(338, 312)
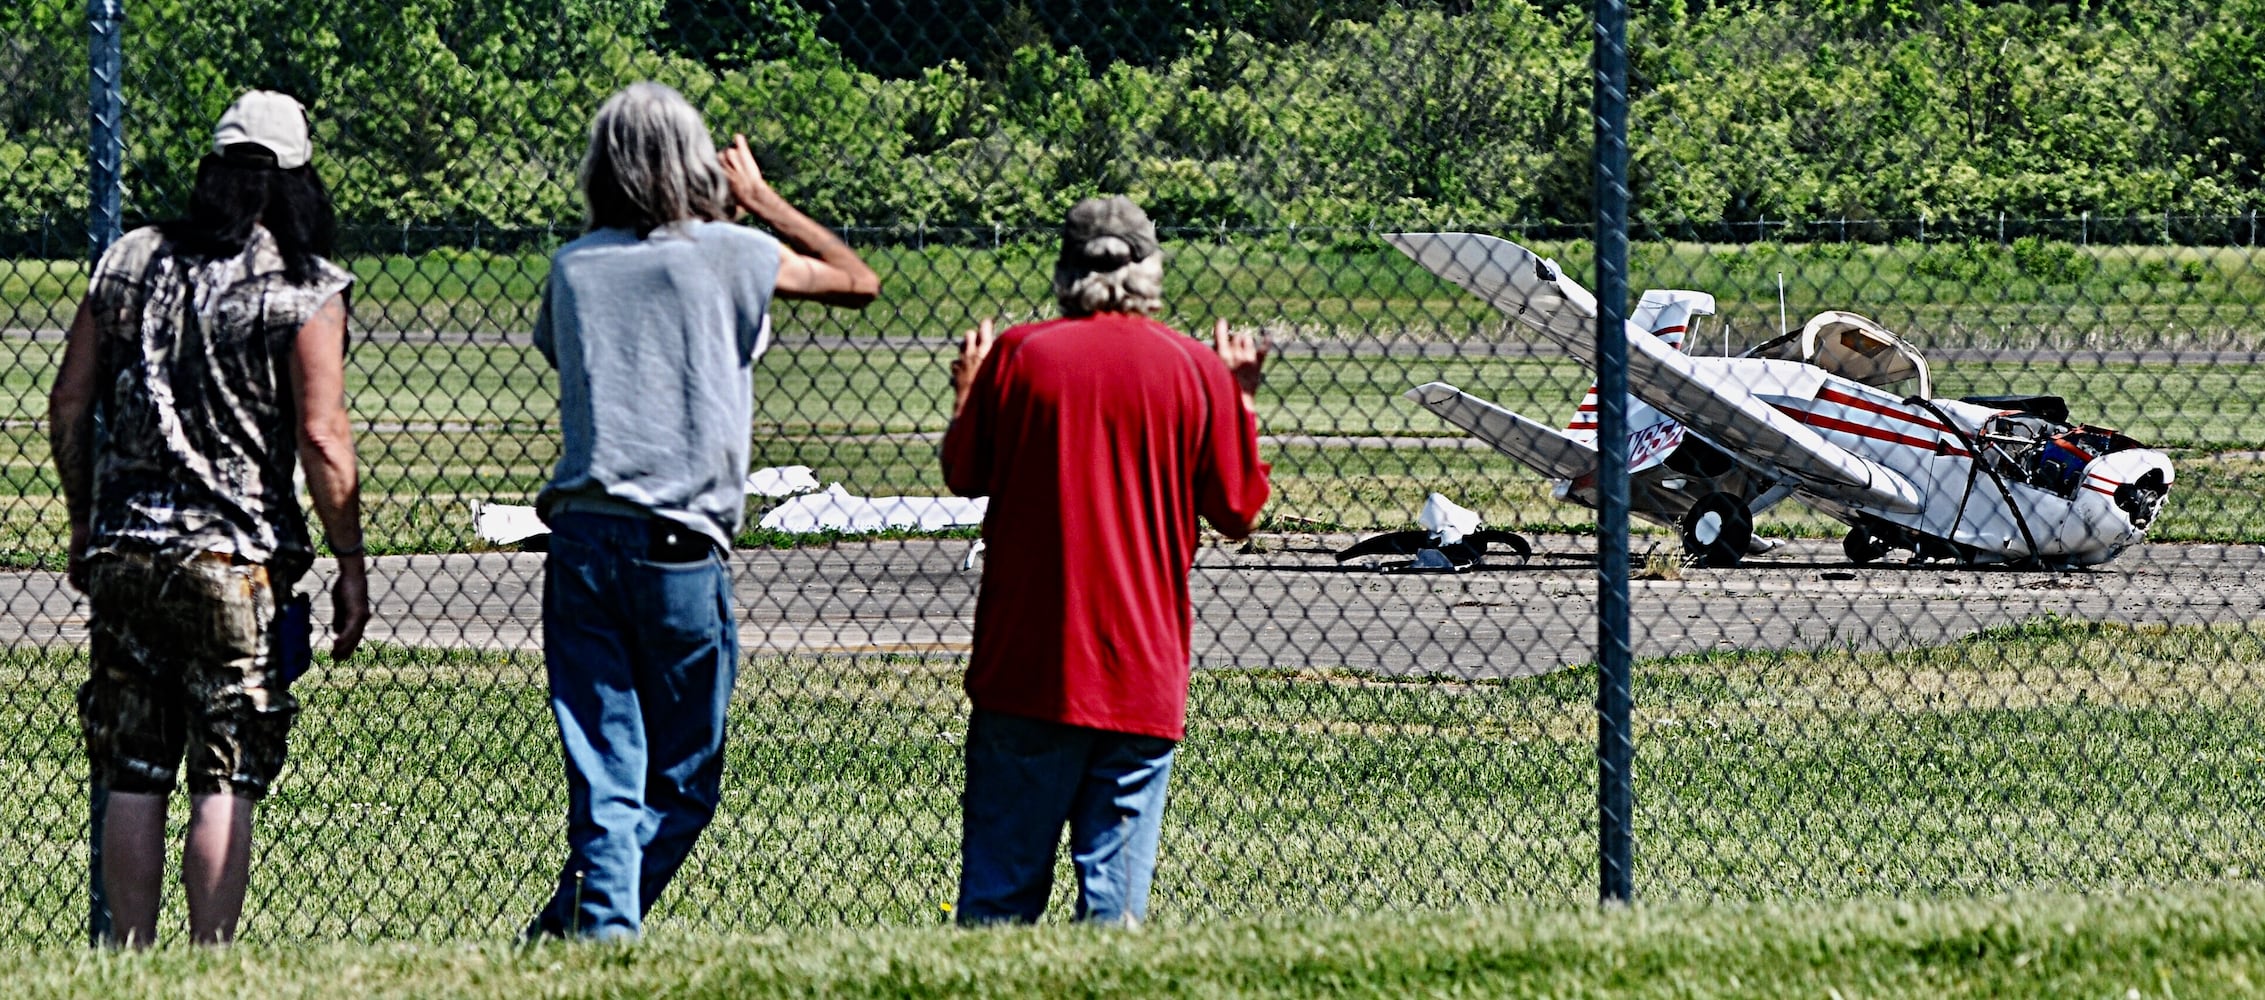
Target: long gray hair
point(651, 163)
point(1137, 287)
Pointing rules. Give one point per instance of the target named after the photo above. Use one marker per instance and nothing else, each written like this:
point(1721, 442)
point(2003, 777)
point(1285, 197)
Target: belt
point(668, 541)
point(665, 540)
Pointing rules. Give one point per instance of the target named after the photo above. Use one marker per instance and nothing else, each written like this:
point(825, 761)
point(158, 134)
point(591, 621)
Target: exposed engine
point(2052, 455)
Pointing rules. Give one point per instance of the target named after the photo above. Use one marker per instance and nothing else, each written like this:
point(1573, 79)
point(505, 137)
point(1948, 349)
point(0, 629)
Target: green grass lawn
point(449, 423)
point(423, 800)
point(1341, 285)
point(2193, 941)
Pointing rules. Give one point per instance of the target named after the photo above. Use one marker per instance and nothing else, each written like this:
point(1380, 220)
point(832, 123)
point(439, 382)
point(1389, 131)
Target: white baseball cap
point(274, 122)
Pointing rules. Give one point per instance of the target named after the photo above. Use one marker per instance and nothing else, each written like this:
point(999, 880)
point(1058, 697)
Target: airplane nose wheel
point(1717, 530)
point(1861, 547)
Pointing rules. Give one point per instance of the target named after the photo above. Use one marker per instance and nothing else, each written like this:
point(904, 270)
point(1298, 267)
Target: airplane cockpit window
point(1853, 348)
point(1782, 348)
point(1859, 350)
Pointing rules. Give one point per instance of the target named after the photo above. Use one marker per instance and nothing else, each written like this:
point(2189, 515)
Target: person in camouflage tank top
point(206, 362)
point(199, 437)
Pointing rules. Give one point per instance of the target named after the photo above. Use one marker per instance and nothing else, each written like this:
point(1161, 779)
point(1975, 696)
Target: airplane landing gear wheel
point(1861, 547)
point(1717, 530)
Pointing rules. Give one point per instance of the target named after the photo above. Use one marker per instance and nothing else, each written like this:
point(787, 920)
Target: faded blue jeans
point(641, 657)
point(1025, 779)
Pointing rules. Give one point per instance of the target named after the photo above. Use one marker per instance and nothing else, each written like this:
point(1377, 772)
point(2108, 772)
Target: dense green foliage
point(1254, 112)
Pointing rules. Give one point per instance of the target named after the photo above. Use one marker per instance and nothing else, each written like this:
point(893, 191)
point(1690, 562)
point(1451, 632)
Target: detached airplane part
point(1837, 414)
point(1451, 540)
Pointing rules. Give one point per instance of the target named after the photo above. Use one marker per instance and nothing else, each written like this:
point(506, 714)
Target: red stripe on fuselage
point(1883, 409)
point(1867, 431)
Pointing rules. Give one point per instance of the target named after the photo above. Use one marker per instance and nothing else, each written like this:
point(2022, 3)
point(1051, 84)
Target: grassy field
point(422, 801)
point(2197, 941)
point(448, 424)
point(810, 389)
point(1351, 287)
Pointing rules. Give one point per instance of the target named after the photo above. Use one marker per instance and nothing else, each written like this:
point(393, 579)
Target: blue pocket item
point(294, 638)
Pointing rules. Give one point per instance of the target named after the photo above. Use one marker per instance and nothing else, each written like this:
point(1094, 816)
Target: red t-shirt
point(1098, 439)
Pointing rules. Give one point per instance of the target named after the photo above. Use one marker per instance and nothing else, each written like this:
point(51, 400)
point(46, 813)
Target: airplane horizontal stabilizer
point(1541, 448)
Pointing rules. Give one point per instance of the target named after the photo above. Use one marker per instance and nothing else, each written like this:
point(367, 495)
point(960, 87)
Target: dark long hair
point(236, 190)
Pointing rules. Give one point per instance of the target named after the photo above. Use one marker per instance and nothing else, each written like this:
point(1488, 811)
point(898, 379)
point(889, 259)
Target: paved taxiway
point(1289, 604)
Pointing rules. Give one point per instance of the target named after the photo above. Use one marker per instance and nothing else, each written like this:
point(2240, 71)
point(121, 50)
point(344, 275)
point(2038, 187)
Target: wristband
point(357, 549)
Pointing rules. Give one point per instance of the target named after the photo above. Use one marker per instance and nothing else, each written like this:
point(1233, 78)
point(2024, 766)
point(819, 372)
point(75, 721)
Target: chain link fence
point(2021, 202)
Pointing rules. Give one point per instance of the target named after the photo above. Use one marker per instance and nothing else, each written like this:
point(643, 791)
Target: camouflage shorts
point(181, 655)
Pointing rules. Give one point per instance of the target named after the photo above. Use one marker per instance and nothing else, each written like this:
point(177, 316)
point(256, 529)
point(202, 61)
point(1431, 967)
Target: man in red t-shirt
point(1099, 438)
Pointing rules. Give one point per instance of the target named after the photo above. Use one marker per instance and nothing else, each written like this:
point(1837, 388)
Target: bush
point(1342, 113)
point(2049, 261)
point(1971, 262)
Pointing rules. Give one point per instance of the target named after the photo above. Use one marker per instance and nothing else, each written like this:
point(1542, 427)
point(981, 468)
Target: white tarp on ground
point(782, 481)
point(507, 523)
point(837, 509)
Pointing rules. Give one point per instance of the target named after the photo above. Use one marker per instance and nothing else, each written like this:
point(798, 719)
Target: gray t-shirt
point(655, 342)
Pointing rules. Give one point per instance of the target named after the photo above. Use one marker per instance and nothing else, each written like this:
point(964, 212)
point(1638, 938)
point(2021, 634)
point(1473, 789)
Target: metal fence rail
point(2040, 203)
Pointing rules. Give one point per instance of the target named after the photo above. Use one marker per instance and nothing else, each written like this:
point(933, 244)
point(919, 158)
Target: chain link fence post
point(105, 152)
point(106, 144)
point(1615, 745)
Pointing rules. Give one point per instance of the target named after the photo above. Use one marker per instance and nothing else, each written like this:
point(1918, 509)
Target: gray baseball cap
point(1104, 234)
point(274, 122)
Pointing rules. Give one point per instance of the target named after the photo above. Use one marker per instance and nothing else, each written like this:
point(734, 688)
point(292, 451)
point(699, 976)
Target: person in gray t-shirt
point(654, 320)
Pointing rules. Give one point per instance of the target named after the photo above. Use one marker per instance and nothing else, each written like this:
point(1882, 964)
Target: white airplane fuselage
point(1962, 504)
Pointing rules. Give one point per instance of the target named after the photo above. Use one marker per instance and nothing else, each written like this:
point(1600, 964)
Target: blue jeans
point(641, 657)
point(1025, 778)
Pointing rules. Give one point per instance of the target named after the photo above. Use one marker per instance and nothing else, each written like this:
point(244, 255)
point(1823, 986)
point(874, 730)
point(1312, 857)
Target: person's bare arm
point(70, 433)
point(326, 451)
point(816, 265)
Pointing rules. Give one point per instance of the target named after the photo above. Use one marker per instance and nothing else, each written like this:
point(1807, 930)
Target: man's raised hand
point(974, 346)
point(741, 173)
point(1245, 356)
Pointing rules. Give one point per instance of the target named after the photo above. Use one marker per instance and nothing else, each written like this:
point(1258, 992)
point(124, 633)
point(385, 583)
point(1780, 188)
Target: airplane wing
point(1534, 291)
point(1541, 448)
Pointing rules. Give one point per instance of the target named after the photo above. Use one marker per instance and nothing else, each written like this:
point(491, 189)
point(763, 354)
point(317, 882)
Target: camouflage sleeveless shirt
point(196, 426)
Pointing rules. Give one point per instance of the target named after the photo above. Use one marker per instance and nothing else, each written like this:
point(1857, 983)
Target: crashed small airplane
point(1838, 414)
